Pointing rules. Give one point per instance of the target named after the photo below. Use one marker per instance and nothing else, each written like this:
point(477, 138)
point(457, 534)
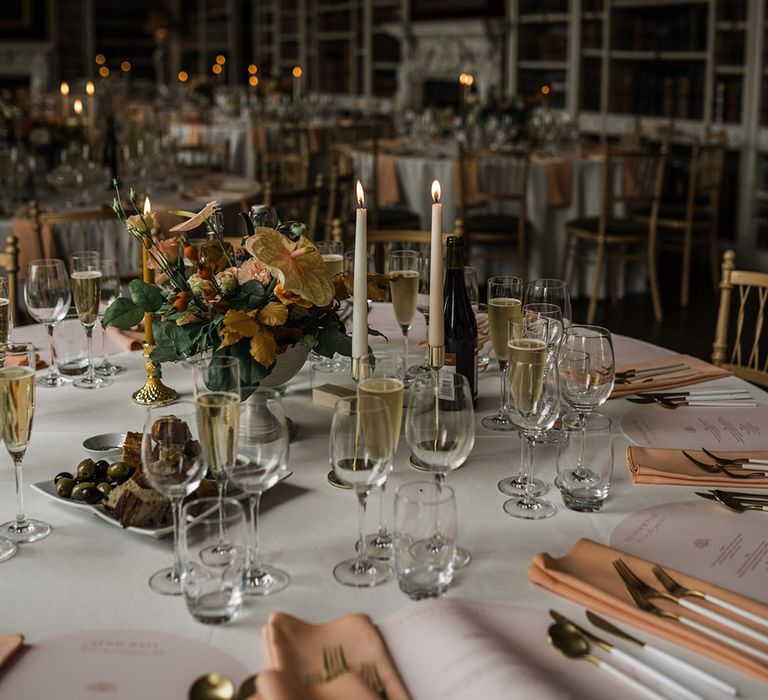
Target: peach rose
point(252, 269)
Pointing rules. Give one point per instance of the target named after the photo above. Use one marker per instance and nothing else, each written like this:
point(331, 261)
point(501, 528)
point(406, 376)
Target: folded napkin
point(586, 575)
point(9, 645)
point(387, 182)
point(29, 246)
point(280, 685)
point(559, 182)
point(127, 340)
point(297, 647)
point(702, 372)
point(472, 195)
point(15, 361)
point(654, 465)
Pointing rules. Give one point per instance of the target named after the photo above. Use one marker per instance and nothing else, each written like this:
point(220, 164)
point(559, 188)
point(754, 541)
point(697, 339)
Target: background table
point(89, 575)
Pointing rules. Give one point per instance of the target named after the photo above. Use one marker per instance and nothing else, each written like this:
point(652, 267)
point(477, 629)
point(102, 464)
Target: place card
point(448, 649)
point(690, 428)
point(703, 540)
point(116, 664)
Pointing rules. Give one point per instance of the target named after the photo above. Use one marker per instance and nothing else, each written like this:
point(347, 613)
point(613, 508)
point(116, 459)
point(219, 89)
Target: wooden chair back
point(748, 356)
point(9, 261)
point(339, 197)
point(707, 168)
point(383, 241)
point(297, 204)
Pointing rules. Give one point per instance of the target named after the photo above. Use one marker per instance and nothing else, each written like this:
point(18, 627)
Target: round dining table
point(89, 575)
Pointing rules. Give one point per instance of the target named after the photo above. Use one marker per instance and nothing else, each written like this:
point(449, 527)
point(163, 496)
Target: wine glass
point(473, 288)
point(587, 369)
point(361, 452)
point(217, 395)
point(85, 275)
point(534, 394)
point(172, 462)
point(422, 306)
point(6, 318)
point(384, 377)
point(404, 291)
point(263, 455)
point(47, 296)
point(504, 304)
point(332, 253)
point(110, 290)
point(440, 427)
point(551, 291)
point(17, 409)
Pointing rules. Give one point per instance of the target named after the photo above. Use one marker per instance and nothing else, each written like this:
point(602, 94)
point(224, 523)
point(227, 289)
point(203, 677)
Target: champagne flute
point(440, 428)
point(85, 274)
point(172, 461)
point(404, 291)
point(504, 305)
point(551, 291)
point(110, 290)
point(47, 296)
point(6, 318)
point(263, 447)
point(217, 395)
point(534, 393)
point(422, 305)
point(588, 369)
point(332, 253)
point(17, 409)
point(361, 452)
point(384, 377)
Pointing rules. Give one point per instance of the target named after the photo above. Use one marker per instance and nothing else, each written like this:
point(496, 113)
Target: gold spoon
point(573, 644)
point(212, 686)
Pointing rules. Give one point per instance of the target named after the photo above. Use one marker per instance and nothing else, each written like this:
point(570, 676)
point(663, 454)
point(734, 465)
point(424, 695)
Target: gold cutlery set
point(733, 469)
point(674, 371)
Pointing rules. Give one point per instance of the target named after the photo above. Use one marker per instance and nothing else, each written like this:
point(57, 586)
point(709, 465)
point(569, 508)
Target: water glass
point(213, 587)
point(585, 495)
point(425, 538)
point(70, 343)
point(110, 290)
point(332, 253)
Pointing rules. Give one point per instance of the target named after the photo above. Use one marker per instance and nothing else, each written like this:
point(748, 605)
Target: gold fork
point(642, 601)
point(371, 678)
point(334, 661)
point(676, 588)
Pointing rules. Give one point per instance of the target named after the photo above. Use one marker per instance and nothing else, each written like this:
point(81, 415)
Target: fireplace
point(435, 53)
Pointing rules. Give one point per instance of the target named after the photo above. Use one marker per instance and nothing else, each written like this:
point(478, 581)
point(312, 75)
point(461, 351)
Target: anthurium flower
point(194, 220)
point(296, 264)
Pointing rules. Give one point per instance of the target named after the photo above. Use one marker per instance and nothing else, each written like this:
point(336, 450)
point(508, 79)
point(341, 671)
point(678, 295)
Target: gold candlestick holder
point(154, 392)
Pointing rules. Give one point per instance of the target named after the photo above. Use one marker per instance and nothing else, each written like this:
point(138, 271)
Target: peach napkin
point(296, 646)
point(472, 193)
point(703, 372)
point(559, 182)
point(128, 340)
point(387, 182)
point(9, 645)
point(654, 465)
point(280, 685)
point(28, 243)
point(586, 575)
point(16, 362)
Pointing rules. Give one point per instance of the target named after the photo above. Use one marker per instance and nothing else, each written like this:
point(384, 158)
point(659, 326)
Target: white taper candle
point(360, 295)
point(436, 321)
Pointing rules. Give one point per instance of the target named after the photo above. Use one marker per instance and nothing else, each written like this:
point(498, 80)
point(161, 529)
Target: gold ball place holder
point(154, 392)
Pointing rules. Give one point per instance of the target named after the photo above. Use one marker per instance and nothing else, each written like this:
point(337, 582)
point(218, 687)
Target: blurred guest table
point(90, 575)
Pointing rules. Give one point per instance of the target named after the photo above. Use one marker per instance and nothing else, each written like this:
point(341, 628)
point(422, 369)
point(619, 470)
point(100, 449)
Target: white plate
point(47, 488)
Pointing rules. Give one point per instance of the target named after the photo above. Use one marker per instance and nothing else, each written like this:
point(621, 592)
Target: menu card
point(447, 649)
point(116, 664)
point(693, 428)
point(704, 540)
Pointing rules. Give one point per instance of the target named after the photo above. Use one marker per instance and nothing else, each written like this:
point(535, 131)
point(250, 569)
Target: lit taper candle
point(149, 337)
point(436, 323)
point(360, 295)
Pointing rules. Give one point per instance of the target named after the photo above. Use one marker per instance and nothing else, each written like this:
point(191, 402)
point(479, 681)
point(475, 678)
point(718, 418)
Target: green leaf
point(327, 341)
point(123, 313)
point(344, 344)
point(252, 295)
point(146, 296)
point(167, 347)
point(251, 372)
point(249, 229)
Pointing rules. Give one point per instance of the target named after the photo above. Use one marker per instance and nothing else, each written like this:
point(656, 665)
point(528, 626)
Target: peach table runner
point(586, 575)
point(654, 465)
point(296, 647)
point(701, 372)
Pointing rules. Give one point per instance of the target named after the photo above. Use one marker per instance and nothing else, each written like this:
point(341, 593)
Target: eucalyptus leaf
point(123, 314)
point(146, 296)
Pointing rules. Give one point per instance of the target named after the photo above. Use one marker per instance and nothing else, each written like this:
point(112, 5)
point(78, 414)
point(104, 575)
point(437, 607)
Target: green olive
point(86, 469)
point(64, 486)
point(105, 487)
point(77, 490)
point(118, 470)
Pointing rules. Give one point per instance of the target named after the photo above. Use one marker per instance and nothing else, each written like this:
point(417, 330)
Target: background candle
point(64, 90)
point(90, 91)
point(360, 290)
point(436, 323)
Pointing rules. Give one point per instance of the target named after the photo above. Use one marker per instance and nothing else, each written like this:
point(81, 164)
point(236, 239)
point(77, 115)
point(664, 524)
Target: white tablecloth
point(235, 133)
point(89, 575)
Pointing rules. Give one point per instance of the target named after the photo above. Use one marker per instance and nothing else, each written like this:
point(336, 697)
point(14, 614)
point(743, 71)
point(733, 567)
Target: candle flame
point(90, 88)
point(435, 191)
point(64, 88)
point(78, 106)
point(147, 205)
point(360, 193)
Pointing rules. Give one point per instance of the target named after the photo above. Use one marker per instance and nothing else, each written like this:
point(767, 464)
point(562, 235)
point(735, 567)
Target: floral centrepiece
point(252, 302)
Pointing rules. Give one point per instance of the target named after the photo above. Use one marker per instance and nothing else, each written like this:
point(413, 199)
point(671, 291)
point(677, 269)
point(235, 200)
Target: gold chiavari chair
point(339, 198)
point(683, 225)
point(748, 357)
point(631, 179)
point(285, 161)
point(297, 204)
point(9, 262)
point(382, 241)
point(488, 232)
